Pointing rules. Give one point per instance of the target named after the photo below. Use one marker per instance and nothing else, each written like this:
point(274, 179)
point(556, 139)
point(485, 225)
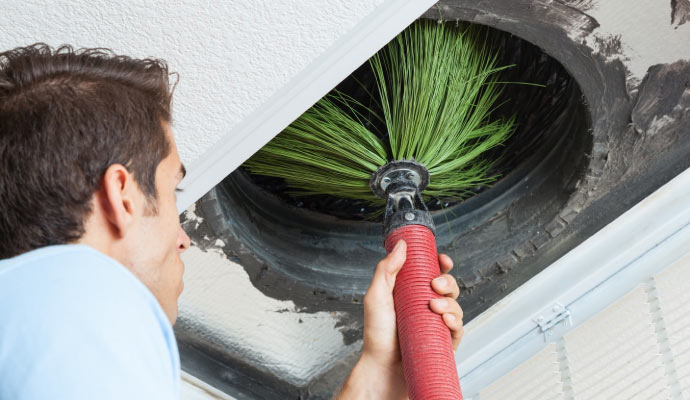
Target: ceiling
point(232, 57)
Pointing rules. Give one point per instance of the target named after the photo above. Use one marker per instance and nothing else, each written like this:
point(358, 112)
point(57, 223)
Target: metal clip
point(551, 317)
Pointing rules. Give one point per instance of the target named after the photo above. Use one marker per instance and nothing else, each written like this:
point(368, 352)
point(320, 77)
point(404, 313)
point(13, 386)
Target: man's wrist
point(370, 380)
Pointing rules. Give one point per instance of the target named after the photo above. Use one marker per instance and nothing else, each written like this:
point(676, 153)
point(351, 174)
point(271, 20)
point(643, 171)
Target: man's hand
point(378, 373)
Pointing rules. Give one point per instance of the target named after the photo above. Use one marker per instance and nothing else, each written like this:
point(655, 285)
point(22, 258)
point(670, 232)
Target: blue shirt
point(76, 324)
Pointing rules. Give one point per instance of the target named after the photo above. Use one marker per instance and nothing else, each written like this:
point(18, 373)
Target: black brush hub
point(400, 183)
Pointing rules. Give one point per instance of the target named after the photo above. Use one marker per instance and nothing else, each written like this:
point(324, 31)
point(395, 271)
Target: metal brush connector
point(400, 183)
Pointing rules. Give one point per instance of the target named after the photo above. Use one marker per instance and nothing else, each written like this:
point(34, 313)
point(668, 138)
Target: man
point(91, 241)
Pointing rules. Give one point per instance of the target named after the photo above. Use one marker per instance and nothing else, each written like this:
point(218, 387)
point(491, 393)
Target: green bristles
point(437, 86)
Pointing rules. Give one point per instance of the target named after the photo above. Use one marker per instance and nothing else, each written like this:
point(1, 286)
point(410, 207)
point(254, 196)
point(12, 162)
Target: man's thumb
point(388, 268)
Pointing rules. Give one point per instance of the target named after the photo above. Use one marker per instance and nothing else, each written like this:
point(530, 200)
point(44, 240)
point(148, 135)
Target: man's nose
point(183, 241)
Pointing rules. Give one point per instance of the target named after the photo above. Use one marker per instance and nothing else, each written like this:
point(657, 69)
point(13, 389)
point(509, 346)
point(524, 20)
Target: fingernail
point(397, 245)
point(450, 318)
point(441, 282)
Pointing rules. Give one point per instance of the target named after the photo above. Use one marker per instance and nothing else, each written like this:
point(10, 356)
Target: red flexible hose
point(425, 342)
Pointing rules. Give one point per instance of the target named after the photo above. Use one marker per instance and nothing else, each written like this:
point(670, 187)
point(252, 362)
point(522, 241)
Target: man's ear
point(119, 198)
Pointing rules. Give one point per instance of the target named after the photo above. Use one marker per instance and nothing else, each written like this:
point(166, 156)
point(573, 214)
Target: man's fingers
point(452, 317)
point(456, 329)
point(445, 262)
point(446, 285)
point(447, 306)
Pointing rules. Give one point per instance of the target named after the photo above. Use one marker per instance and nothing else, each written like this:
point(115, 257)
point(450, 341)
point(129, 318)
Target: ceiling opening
point(584, 151)
point(319, 250)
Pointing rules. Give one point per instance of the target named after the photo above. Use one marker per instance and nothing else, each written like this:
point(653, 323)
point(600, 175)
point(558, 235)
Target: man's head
point(87, 156)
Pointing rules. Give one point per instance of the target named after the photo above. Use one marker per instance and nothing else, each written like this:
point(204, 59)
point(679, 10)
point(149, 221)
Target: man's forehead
point(174, 155)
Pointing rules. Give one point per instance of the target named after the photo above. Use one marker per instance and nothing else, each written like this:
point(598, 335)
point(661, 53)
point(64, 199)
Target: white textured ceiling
point(645, 31)
point(232, 56)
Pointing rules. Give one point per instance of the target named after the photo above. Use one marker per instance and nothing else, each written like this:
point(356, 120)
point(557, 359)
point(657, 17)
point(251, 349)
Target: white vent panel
point(673, 290)
point(539, 378)
point(615, 355)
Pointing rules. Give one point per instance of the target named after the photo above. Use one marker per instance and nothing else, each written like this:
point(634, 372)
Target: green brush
point(437, 88)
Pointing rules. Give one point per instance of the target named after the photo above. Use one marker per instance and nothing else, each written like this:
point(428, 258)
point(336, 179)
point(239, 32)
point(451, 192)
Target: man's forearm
point(368, 380)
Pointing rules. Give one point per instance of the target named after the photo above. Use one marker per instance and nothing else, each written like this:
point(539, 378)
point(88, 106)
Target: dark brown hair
point(66, 115)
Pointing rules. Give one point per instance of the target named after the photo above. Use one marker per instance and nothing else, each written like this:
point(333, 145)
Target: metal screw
point(409, 216)
point(540, 320)
point(557, 309)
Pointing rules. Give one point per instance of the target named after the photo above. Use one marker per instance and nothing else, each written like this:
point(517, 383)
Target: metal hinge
point(549, 318)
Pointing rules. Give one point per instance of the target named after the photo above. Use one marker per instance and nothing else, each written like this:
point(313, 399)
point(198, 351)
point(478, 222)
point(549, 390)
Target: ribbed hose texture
point(425, 341)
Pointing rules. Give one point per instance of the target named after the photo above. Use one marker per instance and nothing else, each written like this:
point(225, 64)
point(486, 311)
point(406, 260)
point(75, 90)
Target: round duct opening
point(320, 251)
point(536, 109)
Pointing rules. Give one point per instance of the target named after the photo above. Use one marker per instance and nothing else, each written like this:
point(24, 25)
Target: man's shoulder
point(71, 258)
point(59, 260)
point(72, 310)
point(73, 276)
point(67, 285)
